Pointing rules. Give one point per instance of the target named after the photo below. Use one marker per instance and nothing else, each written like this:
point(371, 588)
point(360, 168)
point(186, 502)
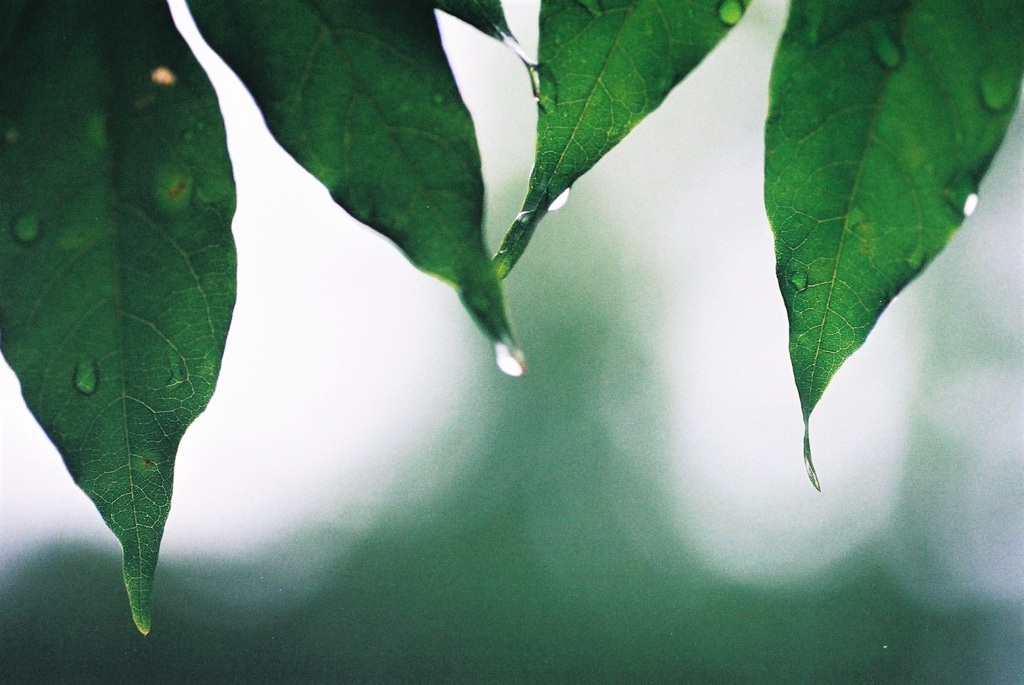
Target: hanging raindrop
point(559, 201)
point(509, 360)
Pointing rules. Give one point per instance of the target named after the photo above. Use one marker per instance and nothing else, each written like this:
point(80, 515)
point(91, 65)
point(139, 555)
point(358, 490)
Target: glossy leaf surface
point(604, 66)
point(117, 266)
point(884, 117)
point(361, 94)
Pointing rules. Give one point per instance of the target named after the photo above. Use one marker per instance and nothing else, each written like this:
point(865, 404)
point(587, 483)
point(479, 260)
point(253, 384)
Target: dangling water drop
point(559, 201)
point(26, 229)
point(730, 12)
point(798, 279)
point(87, 376)
point(509, 360)
point(970, 204)
point(888, 52)
point(960, 194)
point(808, 464)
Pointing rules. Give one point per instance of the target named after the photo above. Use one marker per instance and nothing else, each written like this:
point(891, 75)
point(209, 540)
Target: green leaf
point(884, 117)
point(486, 15)
point(604, 66)
point(117, 266)
point(361, 94)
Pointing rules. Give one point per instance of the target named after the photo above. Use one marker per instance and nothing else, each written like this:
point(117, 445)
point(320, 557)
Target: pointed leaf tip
point(808, 464)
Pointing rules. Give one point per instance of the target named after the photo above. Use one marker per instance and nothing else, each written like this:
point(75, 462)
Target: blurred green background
point(633, 510)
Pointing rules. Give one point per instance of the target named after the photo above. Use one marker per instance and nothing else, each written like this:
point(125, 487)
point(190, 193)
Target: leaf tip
point(808, 464)
point(141, 621)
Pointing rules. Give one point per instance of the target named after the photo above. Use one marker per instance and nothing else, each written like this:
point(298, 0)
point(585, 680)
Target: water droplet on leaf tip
point(808, 464)
point(559, 201)
point(87, 376)
point(970, 204)
point(509, 360)
point(26, 229)
point(730, 12)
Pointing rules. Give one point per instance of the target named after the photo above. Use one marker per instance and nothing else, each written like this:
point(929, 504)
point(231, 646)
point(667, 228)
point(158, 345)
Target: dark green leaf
point(884, 117)
point(117, 267)
point(361, 94)
point(485, 15)
point(604, 66)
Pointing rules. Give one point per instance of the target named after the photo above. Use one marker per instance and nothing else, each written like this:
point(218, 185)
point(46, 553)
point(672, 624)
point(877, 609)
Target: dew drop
point(730, 12)
point(998, 89)
point(808, 463)
point(509, 360)
point(87, 376)
point(970, 204)
point(798, 279)
point(888, 51)
point(26, 229)
point(559, 201)
point(960, 194)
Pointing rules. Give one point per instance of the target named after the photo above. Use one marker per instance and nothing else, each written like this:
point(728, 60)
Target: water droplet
point(998, 89)
point(559, 201)
point(87, 376)
point(959, 193)
point(888, 51)
point(808, 464)
point(524, 216)
point(592, 6)
point(26, 229)
point(798, 279)
point(970, 204)
point(509, 359)
point(730, 12)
